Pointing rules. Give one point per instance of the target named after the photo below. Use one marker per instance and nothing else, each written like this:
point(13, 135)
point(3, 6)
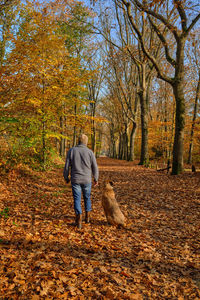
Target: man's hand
point(96, 183)
point(67, 180)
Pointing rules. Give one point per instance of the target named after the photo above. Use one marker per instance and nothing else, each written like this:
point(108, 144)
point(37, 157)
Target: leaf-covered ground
point(157, 255)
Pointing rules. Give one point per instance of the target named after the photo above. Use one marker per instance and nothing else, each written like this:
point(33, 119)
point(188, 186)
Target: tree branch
point(194, 21)
point(136, 61)
point(106, 38)
point(146, 52)
point(144, 8)
point(182, 14)
point(164, 42)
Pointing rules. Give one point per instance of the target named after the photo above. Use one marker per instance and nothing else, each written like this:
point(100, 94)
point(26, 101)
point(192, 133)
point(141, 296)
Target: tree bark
point(125, 145)
point(144, 155)
point(43, 128)
point(62, 141)
point(178, 89)
point(113, 144)
point(93, 129)
point(43, 144)
point(74, 133)
point(120, 148)
point(177, 166)
point(131, 155)
point(193, 122)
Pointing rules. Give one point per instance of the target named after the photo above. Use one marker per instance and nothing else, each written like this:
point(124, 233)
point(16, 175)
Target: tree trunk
point(120, 147)
point(193, 122)
point(113, 145)
point(93, 134)
point(43, 143)
point(144, 155)
point(93, 140)
point(62, 141)
point(172, 129)
point(166, 142)
point(98, 149)
point(132, 142)
point(178, 89)
point(74, 134)
point(43, 128)
point(177, 166)
point(125, 145)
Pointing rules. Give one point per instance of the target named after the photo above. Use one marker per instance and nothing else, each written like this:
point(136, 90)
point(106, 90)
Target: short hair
point(83, 139)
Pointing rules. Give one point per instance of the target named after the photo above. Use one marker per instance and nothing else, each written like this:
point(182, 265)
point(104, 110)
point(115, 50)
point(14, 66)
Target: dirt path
point(157, 255)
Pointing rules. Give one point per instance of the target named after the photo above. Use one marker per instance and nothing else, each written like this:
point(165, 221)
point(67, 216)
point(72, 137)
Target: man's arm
point(67, 167)
point(95, 170)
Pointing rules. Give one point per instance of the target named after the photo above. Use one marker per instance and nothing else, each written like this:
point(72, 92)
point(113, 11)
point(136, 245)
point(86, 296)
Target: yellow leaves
point(72, 290)
point(20, 279)
point(103, 269)
point(136, 296)
point(28, 237)
point(35, 101)
point(109, 293)
point(46, 285)
point(2, 233)
point(63, 278)
point(35, 297)
point(55, 135)
point(42, 60)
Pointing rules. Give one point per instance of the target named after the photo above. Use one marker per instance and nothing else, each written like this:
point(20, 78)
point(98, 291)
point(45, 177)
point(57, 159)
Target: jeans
point(77, 189)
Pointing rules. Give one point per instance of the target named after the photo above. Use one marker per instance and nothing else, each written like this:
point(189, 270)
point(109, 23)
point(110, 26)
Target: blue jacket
point(83, 165)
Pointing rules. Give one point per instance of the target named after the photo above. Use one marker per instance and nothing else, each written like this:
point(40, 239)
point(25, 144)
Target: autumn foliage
point(128, 76)
point(42, 80)
point(59, 78)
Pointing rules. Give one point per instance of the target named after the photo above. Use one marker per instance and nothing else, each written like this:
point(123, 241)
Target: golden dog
point(111, 208)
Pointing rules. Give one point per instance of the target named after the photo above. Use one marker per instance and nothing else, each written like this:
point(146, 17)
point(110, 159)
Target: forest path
point(43, 256)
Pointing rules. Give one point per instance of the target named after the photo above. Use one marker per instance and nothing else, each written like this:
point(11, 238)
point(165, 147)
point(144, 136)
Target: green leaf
point(9, 120)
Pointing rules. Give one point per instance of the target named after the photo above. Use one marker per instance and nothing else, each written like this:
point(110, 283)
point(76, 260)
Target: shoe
point(79, 221)
point(87, 217)
point(76, 220)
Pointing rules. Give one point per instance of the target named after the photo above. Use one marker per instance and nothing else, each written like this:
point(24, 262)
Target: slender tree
point(194, 66)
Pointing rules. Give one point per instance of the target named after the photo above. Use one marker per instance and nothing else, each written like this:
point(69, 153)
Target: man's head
point(83, 139)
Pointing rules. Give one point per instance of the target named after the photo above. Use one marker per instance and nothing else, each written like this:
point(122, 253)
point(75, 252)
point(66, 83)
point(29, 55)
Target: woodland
point(127, 74)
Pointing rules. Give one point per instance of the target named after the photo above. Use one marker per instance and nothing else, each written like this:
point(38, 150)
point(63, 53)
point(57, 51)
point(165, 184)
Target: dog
point(111, 208)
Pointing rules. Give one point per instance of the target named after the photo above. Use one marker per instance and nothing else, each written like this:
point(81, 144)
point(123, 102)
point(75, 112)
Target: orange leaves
point(125, 274)
point(156, 256)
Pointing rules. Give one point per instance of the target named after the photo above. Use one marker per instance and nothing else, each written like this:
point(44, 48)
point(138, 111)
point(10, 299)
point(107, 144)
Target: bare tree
point(127, 43)
point(175, 20)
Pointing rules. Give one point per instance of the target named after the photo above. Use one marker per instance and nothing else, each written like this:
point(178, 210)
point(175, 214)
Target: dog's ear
point(111, 183)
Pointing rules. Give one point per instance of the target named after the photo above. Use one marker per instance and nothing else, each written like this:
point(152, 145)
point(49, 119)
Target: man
point(83, 165)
